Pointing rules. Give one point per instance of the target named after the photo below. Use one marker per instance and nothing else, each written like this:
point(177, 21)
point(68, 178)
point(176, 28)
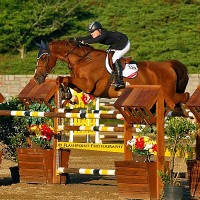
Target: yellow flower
point(146, 138)
point(33, 128)
point(151, 151)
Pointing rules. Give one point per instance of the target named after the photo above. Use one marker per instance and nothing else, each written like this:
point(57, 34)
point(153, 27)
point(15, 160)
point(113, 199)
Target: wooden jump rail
point(100, 172)
point(79, 115)
point(94, 128)
point(111, 136)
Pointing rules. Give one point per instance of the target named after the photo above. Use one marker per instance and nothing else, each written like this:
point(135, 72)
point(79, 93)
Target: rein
point(81, 57)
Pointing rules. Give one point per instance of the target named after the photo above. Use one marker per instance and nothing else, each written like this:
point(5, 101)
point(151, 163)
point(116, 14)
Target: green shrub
point(13, 129)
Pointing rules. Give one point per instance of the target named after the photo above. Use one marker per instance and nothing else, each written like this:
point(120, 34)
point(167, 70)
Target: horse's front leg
point(67, 82)
point(62, 79)
point(63, 86)
point(64, 90)
point(78, 83)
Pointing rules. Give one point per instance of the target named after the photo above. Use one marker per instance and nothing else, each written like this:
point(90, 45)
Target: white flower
point(148, 146)
point(131, 142)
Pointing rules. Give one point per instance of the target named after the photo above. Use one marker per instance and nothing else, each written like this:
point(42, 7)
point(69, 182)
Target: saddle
point(130, 69)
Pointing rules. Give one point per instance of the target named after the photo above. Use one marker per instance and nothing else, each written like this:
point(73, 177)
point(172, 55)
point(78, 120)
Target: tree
point(22, 21)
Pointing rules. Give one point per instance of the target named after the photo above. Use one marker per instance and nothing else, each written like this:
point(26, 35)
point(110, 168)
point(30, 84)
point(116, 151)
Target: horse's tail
point(182, 76)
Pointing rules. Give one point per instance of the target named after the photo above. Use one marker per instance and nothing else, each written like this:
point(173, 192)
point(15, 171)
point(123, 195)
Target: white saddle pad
point(130, 70)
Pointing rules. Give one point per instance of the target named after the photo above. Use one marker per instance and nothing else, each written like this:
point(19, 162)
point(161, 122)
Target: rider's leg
point(119, 78)
point(118, 67)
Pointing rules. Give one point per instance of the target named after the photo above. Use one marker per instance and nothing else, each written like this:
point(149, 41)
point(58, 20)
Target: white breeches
point(119, 53)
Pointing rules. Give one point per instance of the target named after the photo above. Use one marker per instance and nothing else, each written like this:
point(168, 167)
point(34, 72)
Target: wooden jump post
point(42, 93)
point(135, 104)
point(193, 166)
point(194, 105)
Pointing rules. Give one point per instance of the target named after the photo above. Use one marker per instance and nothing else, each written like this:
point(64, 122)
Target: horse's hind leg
point(181, 98)
point(177, 100)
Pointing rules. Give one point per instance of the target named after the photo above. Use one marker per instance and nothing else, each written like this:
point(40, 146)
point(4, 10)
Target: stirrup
point(119, 85)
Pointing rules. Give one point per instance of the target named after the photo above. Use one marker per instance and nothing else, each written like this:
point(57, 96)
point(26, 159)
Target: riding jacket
point(115, 39)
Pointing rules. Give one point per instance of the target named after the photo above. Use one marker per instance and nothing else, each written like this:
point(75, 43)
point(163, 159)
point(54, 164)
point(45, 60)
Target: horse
point(88, 72)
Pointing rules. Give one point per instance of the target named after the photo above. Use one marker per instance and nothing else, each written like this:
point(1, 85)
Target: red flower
point(154, 147)
point(87, 98)
point(47, 132)
point(41, 131)
point(139, 143)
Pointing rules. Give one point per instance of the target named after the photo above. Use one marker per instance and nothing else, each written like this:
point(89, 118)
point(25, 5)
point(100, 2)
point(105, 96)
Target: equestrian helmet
point(94, 26)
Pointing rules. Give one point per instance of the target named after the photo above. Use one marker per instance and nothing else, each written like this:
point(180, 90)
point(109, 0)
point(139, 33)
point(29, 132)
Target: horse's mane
point(73, 43)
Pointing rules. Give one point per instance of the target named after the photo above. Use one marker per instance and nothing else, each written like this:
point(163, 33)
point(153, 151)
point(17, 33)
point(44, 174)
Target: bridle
point(47, 69)
point(72, 51)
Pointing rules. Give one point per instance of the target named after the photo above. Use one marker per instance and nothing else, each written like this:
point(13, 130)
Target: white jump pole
point(97, 140)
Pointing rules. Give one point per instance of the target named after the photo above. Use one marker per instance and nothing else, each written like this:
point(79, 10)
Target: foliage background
point(157, 29)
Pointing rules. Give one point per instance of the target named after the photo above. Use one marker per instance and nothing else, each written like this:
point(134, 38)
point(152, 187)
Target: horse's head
point(45, 62)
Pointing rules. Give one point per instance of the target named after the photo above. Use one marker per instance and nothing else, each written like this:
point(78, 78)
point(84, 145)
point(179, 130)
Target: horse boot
point(119, 78)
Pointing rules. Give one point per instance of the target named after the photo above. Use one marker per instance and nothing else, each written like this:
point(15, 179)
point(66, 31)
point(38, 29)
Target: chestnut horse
point(88, 72)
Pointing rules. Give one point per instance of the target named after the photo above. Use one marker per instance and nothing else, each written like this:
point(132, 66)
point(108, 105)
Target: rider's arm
point(92, 40)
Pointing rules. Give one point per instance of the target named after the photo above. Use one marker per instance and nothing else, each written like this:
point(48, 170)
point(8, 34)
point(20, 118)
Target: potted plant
point(181, 134)
point(35, 165)
point(142, 148)
point(36, 160)
point(136, 179)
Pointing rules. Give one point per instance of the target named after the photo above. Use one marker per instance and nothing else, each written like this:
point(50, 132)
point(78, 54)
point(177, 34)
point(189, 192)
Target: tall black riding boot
point(119, 78)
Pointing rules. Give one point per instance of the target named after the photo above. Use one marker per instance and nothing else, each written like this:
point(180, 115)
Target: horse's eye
point(44, 58)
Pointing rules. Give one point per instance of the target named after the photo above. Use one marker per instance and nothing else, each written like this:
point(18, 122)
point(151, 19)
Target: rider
point(118, 42)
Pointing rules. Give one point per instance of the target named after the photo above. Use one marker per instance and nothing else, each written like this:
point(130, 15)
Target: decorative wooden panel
point(135, 104)
point(42, 93)
point(193, 169)
point(36, 165)
point(136, 180)
point(194, 105)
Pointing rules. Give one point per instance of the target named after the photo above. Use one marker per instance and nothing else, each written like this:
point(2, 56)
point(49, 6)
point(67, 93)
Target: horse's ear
point(43, 45)
point(37, 44)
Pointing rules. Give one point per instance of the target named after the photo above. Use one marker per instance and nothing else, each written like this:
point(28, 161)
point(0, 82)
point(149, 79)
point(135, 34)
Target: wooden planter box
point(36, 165)
point(136, 180)
point(193, 169)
